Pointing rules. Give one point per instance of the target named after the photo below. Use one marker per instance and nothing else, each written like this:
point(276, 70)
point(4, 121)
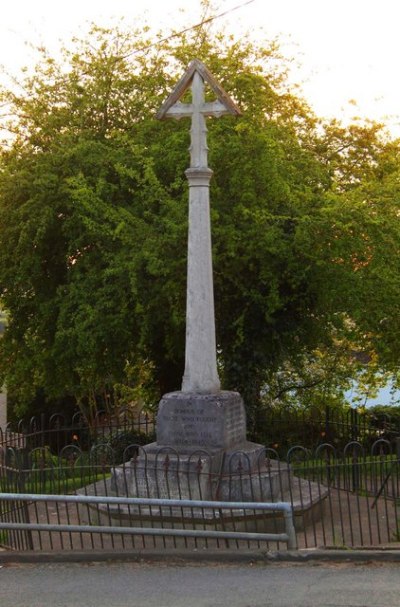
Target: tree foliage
point(93, 216)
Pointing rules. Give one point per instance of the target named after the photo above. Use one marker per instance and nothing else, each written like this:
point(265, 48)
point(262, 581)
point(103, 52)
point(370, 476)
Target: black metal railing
point(283, 427)
point(340, 497)
point(57, 430)
point(279, 428)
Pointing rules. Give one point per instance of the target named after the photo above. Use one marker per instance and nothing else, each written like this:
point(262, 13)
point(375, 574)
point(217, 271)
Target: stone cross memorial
point(200, 421)
point(201, 374)
point(199, 415)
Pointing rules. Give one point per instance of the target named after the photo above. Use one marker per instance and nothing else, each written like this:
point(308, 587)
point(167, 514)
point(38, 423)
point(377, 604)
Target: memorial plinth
point(213, 421)
point(204, 438)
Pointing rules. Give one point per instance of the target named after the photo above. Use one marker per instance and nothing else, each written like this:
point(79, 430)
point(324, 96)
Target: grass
point(365, 476)
point(59, 481)
point(368, 463)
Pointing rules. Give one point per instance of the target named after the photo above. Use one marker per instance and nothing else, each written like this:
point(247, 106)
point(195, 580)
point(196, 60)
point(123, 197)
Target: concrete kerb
point(175, 557)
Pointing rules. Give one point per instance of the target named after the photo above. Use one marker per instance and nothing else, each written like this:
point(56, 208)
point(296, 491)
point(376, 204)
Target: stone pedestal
point(201, 452)
point(210, 421)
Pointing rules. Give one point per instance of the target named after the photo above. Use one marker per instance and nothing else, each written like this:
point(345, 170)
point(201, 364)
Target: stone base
point(202, 453)
point(160, 473)
point(201, 441)
point(267, 484)
point(164, 472)
point(307, 498)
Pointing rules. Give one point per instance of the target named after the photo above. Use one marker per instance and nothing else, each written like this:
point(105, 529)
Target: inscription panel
point(235, 426)
point(194, 420)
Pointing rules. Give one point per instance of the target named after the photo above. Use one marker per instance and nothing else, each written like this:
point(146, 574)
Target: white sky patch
point(347, 49)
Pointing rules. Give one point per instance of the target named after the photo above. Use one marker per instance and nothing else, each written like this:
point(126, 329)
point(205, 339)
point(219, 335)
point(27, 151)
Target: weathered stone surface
point(201, 373)
point(201, 420)
point(264, 484)
point(244, 457)
point(160, 474)
point(308, 500)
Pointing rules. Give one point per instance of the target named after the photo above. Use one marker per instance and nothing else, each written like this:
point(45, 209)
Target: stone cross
point(201, 375)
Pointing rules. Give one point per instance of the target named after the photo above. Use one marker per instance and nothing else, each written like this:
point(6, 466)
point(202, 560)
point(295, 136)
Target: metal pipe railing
point(289, 536)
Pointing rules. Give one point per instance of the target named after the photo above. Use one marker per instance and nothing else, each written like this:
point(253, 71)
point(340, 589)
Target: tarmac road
point(202, 585)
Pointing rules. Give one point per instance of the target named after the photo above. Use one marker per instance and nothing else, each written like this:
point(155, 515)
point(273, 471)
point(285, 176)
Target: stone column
point(201, 375)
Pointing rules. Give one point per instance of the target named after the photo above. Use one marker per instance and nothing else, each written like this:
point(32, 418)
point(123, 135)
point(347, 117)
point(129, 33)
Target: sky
point(346, 53)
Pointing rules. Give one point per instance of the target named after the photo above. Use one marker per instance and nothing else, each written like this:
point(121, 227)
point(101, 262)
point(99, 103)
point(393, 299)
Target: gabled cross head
point(195, 77)
point(173, 108)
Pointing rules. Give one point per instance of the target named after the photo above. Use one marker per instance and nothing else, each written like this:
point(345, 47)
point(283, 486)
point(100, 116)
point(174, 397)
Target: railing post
point(290, 529)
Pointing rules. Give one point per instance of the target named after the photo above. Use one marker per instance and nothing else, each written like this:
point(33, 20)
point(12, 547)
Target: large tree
point(93, 222)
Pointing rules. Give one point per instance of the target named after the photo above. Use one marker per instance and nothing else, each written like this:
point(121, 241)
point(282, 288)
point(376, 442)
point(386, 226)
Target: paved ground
point(202, 585)
point(343, 519)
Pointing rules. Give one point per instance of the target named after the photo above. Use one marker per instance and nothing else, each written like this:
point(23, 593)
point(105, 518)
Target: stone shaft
point(201, 373)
